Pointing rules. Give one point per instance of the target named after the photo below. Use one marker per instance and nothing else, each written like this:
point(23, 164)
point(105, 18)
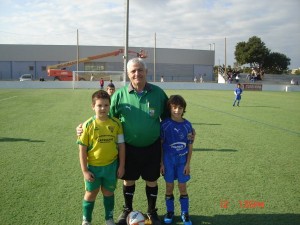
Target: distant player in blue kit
point(238, 94)
point(177, 146)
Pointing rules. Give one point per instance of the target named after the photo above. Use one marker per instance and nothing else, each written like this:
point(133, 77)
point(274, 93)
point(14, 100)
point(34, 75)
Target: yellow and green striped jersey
point(101, 139)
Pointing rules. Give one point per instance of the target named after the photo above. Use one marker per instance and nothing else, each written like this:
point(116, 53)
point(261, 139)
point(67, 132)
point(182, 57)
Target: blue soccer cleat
point(186, 219)
point(168, 219)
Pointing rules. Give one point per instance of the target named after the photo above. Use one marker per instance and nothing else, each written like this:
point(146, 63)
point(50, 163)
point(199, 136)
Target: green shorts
point(105, 176)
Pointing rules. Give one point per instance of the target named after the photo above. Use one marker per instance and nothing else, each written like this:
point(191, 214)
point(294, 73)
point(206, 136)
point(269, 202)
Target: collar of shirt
point(146, 88)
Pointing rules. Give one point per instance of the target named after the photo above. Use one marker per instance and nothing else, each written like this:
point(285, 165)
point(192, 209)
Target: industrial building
point(178, 65)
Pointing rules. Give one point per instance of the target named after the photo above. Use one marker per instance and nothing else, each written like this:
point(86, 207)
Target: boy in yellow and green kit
point(102, 157)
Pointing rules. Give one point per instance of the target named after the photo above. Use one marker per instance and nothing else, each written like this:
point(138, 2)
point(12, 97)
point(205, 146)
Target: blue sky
point(189, 24)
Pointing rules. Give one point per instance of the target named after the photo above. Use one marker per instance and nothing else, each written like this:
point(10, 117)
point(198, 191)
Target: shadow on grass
point(7, 139)
point(244, 219)
point(208, 124)
point(213, 150)
point(260, 106)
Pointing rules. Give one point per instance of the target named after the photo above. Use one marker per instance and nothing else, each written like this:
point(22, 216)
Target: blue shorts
point(105, 176)
point(174, 168)
point(238, 97)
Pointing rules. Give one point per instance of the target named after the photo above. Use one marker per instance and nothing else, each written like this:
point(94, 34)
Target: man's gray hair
point(137, 61)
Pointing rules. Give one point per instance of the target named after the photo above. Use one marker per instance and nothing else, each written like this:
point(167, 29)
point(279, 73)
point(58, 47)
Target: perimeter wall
point(164, 85)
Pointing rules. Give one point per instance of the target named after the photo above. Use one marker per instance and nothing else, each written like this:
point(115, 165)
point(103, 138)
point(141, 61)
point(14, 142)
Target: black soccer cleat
point(153, 217)
point(123, 216)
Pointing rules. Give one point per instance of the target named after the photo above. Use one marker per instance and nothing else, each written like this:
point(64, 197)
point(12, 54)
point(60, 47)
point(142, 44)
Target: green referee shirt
point(139, 113)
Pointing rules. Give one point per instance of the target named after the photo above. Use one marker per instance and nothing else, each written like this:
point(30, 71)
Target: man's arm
point(187, 168)
point(121, 169)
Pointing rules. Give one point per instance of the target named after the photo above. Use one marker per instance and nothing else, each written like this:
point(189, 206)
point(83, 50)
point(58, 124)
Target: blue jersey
point(238, 92)
point(175, 136)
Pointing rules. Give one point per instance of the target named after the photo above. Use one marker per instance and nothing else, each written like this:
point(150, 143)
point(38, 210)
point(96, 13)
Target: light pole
point(154, 58)
point(125, 56)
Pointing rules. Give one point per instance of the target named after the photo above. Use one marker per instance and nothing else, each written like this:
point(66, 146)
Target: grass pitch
point(245, 163)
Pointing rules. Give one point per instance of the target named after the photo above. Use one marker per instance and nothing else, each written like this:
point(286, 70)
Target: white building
point(172, 64)
point(294, 71)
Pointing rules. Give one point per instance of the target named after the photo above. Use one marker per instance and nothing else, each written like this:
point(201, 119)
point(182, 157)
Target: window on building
point(31, 68)
point(94, 66)
point(44, 68)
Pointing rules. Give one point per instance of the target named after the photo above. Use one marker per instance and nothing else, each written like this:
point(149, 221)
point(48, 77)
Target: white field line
point(7, 98)
point(254, 121)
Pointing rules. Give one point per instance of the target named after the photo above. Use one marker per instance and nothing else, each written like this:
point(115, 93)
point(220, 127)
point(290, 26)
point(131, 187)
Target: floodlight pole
point(77, 50)
point(125, 57)
point(154, 59)
point(225, 71)
point(77, 58)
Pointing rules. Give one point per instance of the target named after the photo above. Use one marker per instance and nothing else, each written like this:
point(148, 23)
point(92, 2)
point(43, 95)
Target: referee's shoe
point(152, 218)
point(122, 218)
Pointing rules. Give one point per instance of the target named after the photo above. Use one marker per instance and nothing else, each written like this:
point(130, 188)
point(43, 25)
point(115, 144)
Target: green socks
point(88, 207)
point(87, 210)
point(109, 204)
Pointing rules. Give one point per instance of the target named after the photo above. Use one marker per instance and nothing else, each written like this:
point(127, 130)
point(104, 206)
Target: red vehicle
point(60, 74)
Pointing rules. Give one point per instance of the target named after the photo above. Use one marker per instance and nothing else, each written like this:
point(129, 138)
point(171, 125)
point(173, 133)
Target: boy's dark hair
point(100, 95)
point(176, 100)
point(111, 85)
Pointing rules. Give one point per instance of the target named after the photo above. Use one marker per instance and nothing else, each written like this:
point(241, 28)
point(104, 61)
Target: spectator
point(110, 89)
point(101, 83)
point(237, 78)
point(292, 82)
point(92, 77)
point(201, 79)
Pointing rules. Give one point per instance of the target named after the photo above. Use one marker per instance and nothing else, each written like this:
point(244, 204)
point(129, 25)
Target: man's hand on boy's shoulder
point(193, 136)
point(79, 130)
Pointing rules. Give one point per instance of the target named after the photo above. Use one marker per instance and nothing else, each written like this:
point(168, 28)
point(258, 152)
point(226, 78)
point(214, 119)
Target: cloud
point(191, 24)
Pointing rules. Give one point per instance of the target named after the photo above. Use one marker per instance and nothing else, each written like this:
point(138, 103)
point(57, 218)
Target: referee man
point(140, 106)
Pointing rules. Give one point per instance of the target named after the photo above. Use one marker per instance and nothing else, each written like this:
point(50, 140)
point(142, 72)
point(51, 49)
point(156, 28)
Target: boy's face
point(176, 112)
point(101, 108)
point(110, 91)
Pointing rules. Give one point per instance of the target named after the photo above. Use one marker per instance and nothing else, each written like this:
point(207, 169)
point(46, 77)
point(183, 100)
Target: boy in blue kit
point(102, 157)
point(238, 94)
point(177, 146)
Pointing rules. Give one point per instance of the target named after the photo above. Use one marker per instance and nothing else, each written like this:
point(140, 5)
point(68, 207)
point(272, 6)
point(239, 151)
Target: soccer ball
point(135, 218)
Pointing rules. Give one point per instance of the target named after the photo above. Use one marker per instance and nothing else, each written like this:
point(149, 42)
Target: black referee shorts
point(143, 161)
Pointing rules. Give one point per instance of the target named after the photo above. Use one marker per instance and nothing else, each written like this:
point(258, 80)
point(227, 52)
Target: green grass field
point(245, 164)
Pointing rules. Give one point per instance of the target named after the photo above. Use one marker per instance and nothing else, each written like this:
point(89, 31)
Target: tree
point(276, 63)
point(240, 53)
point(255, 53)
